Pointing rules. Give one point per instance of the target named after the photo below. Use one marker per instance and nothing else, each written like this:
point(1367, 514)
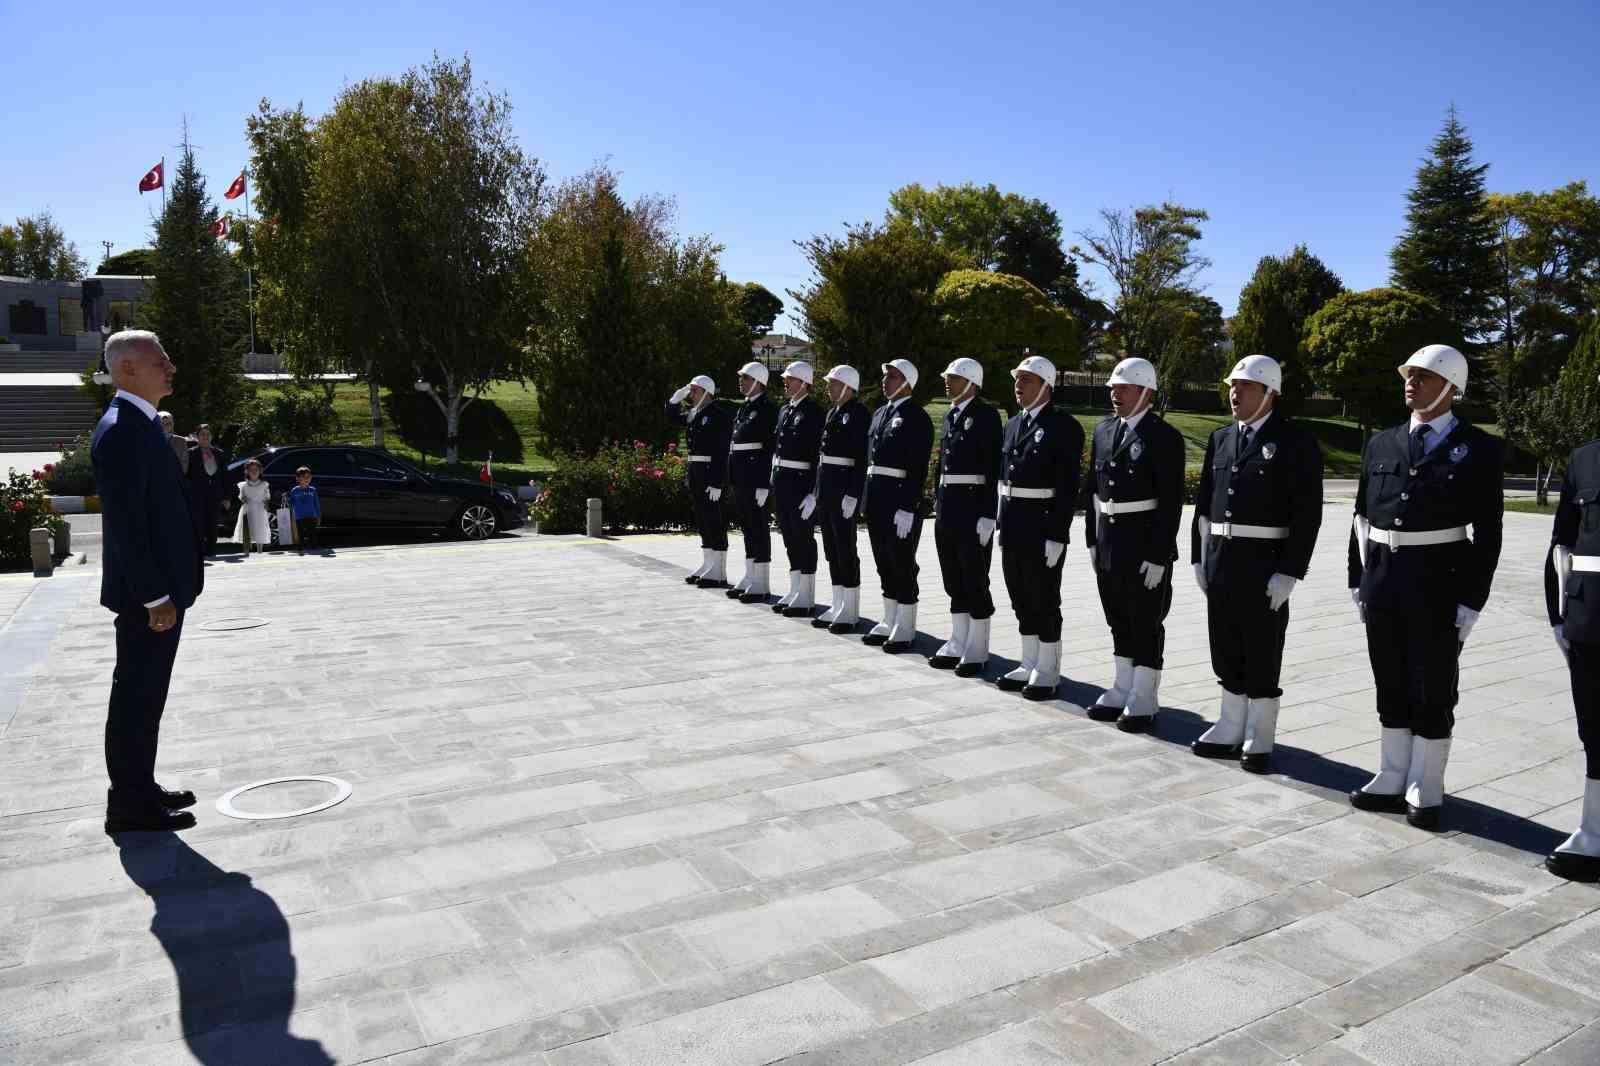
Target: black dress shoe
point(175, 801)
point(1574, 867)
point(1258, 763)
point(735, 593)
point(1100, 713)
point(779, 607)
point(705, 584)
point(159, 821)
point(1039, 692)
point(897, 647)
point(753, 597)
point(691, 580)
point(1135, 723)
point(792, 611)
point(1207, 750)
point(945, 662)
point(841, 628)
point(875, 639)
point(1007, 684)
point(1362, 800)
point(1424, 817)
point(973, 669)
point(821, 623)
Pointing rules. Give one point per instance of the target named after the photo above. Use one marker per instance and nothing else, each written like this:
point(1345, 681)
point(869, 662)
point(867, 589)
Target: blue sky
point(1288, 123)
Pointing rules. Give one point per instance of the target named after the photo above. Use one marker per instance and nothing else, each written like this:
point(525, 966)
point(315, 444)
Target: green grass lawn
point(1532, 506)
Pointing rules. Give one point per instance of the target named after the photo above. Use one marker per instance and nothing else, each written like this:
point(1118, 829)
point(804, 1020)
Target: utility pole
point(107, 245)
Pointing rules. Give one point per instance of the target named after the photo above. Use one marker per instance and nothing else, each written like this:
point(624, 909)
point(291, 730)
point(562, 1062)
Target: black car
point(363, 488)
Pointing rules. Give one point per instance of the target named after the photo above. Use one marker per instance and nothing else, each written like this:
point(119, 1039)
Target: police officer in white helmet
point(707, 425)
point(797, 437)
point(750, 475)
point(1256, 517)
point(1424, 545)
point(1136, 475)
point(899, 443)
point(841, 480)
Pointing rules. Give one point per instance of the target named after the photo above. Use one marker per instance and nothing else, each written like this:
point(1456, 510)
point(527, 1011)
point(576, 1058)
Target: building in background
point(64, 316)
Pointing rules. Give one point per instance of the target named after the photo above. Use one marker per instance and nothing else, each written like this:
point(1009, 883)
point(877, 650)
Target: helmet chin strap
point(1439, 399)
point(1266, 398)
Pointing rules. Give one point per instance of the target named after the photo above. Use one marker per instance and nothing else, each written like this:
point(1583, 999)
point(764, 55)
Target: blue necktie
point(1418, 443)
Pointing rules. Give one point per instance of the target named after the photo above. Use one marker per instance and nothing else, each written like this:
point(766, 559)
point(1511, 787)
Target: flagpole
point(249, 281)
point(163, 184)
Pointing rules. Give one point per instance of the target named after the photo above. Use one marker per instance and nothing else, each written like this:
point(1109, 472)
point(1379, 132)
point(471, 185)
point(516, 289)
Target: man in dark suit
point(964, 516)
point(1256, 518)
point(750, 475)
point(797, 439)
point(1131, 527)
point(899, 444)
point(208, 495)
point(707, 426)
point(1042, 453)
point(1419, 579)
point(152, 572)
point(841, 481)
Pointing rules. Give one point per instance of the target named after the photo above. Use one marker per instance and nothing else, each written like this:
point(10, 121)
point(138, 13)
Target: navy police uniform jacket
point(705, 433)
point(150, 548)
point(1458, 483)
point(798, 435)
point(1275, 481)
point(971, 446)
point(844, 436)
point(1147, 465)
point(900, 438)
point(1048, 455)
point(1577, 526)
point(751, 468)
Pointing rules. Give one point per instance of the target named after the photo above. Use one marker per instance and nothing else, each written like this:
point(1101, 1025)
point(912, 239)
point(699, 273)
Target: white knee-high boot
point(905, 628)
point(880, 632)
point(1578, 858)
point(1386, 791)
point(850, 613)
point(949, 653)
point(975, 650)
point(1046, 673)
point(1261, 730)
point(1224, 740)
point(1017, 679)
point(1115, 698)
point(835, 602)
point(1425, 780)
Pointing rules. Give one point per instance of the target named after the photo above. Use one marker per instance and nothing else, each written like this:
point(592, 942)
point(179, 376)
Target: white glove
point(1466, 618)
point(847, 506)
point(1091, 557)
point(679, 396)
point(715, 494)
point(1355, 598)
point(1279, 588)
point(1560, 633)
point(1152, 574)
point(761, 497)
point(985, 530)
point(808, 505)
point(902, 524)
point(1052, 553)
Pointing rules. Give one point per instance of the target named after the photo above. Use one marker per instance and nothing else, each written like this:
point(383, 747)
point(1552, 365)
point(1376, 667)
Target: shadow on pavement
point(229, 947)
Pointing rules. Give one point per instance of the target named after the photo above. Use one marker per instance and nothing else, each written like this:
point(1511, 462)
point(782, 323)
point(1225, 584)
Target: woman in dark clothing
point(208, 495)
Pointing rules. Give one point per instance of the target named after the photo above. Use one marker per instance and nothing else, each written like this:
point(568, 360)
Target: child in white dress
point(253, 530)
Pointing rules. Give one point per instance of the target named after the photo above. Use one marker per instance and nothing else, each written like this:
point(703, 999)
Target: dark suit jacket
point(971, 445)
point(751, 468)
point(1048, 456)
point(844, 436)
point(149, 544)
point(1147, 465)
point(206, 492)
point(1577, 526)
point(706, 434)
point(903, 441)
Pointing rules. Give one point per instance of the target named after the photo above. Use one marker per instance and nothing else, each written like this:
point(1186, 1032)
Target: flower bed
point(24, 506)
point(641, 489)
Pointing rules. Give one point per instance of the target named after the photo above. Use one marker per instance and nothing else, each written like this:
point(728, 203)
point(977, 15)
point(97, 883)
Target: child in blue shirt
point(307, 509)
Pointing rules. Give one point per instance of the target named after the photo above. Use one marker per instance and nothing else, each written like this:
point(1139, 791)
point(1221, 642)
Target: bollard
point(39, 542)
point(64, 541)
point(595, 525)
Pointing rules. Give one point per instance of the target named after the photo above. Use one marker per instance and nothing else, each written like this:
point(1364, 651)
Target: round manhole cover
point(228, 625)
point(284, 797)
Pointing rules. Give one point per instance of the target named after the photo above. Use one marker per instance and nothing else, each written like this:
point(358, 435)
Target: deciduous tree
point(1273, 308)
point(1355, 342)
point(992, 317)
point(35, 247)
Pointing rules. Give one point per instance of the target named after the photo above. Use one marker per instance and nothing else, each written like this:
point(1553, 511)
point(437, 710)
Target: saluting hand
point(679, 396)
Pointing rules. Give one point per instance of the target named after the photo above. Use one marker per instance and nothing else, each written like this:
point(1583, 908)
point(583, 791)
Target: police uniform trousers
point(753, 521)
point(839, 543)
point(138, 697)
point(1246, 642)
point(708, 516)
point(1583, 662)
point(896, 558)
point(799, 534)
point(1136, 615)
point(1415, 651)
point(1035, 589)
point(964, 564)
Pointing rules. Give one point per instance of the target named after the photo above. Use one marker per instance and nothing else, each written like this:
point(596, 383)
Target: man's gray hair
point(128, 342)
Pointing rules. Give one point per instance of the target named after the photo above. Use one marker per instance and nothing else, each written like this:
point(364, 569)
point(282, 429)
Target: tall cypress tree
point(1447, 252)
point(197, 306)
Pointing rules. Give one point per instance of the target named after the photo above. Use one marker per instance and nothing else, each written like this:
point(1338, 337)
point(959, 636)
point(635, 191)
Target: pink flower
point(660, 473)
point(638, 445)
point(19, 507)
point(638, 469)
point(673, 446)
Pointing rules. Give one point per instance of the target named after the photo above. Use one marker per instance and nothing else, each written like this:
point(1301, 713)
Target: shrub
point(641, 488)
point(293, 414)
point(485, 427)
point(73, 474)
point(23, 507)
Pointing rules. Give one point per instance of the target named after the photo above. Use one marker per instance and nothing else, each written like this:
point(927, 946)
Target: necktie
point(1244, 439)
point(1116, 440)
point(1419, 447)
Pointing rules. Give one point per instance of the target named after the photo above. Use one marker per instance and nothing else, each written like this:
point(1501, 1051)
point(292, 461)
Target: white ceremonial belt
point(837, 460)
point(1586, 564)
point(699, 458)
point(1116, 507)
point(791, 464)
point(1239, 529)
point(747, 446)
point(1394, 538)
point(885, 471)
point(1017, 492)
point(963, 479)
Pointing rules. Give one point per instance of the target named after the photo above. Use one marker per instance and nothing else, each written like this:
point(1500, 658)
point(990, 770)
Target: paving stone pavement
point(603, 818)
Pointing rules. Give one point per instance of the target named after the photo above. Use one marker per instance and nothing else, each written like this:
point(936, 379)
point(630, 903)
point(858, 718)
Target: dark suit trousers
point(1035, 589)
point(1136, 615)
point(839, 544)
point(799, 534)
point(708, 515)
point(753, 521)
point(1584, 664)
point(138, 696)
point(896, 559)
point(1415, 653)
point(1246, 641)
point(964, 564)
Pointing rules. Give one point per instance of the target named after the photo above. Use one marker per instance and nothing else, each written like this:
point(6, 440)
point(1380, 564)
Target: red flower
point(38, 475)
point(49, 468)
point(673, 446)
point(19, 507)
point(638, 445)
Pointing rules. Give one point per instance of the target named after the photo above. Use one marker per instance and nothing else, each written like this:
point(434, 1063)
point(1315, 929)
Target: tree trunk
point(1541, 482)
point(452, 430)
point(377, 408)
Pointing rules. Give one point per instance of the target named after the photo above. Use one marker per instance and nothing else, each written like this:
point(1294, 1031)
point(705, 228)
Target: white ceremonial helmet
point(846, 376)
point(1039, 366)
point(1262, 369)
point(705, 383)
point(905, 368)
point(1133, 372)
point(799, 370)
point(968, 368)
point(755, 370)
point(1442, 360)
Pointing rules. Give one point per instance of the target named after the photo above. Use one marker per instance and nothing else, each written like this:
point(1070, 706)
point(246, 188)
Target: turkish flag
point(235, 190)
point(151, 181)
point(220, 227)
point(486, 474)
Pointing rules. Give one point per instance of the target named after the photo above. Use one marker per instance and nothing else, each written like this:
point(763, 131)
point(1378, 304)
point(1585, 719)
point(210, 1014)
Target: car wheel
point(477, 522)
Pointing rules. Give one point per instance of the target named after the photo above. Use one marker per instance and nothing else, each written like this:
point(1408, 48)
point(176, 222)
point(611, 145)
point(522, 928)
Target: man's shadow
point(229, 946)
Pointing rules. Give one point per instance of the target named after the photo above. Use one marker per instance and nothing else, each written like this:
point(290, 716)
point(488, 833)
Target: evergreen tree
point(197, 306)
point(1273, 308)
point(1448, 251)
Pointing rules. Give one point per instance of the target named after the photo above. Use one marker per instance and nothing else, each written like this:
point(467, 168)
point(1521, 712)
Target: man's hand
point(1152, 574)
point(1279, 588)
point(985, 530)
point(715, 494)
point(761, 497)
point(163, 616)
point(1355, 598)
point(808, 505)
point(1200, 575)
point(679, 396)
point(1466, 618)
point(1560, 633)
point(1052, 552)
point(1091, 557)
point(902, 524)
point(847, 506)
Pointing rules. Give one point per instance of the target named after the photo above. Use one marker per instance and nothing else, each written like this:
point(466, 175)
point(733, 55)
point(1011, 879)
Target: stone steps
point(35, 418)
